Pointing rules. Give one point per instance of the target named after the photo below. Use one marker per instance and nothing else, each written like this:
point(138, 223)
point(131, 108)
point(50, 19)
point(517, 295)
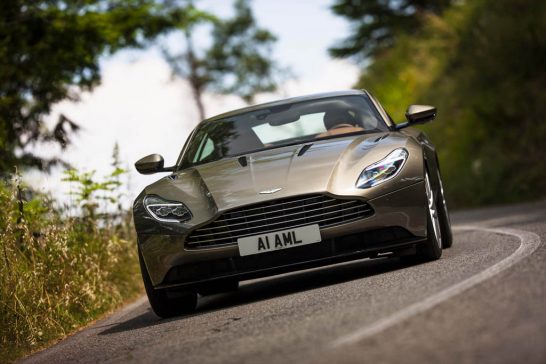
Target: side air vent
point(243, 161)
point(304, 149)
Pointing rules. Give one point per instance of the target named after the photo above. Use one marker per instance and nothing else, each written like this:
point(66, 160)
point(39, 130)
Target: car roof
point(290, 100)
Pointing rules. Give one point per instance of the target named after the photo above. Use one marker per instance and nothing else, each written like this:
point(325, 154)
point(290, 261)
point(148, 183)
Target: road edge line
point(529, 242)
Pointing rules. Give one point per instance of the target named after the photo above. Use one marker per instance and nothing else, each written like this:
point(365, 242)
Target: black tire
point(443, 215)
point(219, 286)
point(432, 248)
point(167, 303)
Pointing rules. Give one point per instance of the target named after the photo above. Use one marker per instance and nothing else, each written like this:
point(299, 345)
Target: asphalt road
point(484, 301)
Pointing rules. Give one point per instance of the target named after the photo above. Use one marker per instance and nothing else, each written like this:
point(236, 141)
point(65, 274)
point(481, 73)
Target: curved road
point(484, 301)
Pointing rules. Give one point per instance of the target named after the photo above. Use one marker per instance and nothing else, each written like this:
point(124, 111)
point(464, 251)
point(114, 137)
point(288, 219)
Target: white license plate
point(278, 240)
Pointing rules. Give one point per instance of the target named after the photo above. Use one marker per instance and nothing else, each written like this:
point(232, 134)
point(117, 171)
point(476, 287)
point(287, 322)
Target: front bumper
point(399, 221)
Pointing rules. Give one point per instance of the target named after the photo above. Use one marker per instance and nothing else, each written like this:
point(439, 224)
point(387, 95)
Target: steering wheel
point(340, 126)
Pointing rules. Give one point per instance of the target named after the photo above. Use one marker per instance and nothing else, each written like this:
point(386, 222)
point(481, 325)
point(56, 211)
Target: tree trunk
point(197, 97)
point(196, 83)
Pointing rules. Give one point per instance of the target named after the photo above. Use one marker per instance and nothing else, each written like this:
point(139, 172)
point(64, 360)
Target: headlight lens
point(166, 211)
point(383, 170)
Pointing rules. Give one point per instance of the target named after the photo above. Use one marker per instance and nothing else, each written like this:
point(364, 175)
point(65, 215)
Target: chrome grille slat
point(278, 223)
point(284, 215)
point(276, 229)
point(287, 202)
point(279, 209)
point(277, 215)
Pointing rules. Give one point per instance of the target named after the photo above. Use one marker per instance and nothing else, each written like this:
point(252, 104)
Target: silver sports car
point(288, 185)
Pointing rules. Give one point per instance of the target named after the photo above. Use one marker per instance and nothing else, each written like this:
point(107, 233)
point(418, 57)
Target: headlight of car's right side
point(166, 211)
point(383, 170)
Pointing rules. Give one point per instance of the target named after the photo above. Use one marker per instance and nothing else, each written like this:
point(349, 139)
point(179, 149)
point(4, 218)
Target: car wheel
point(443, 215)
point(432, 249)
point(167, 303)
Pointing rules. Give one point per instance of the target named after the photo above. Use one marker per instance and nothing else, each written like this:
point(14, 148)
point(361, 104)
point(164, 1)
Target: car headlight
point(383, 170)
point(166, 211)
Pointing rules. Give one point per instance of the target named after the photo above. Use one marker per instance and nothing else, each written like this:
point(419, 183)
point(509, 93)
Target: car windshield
point(277, 126)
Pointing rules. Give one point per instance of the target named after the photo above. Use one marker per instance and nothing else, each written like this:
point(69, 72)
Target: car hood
point(278, 172)
point(327, 166)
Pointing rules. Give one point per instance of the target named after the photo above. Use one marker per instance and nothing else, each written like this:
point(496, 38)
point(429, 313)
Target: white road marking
point(529, 242)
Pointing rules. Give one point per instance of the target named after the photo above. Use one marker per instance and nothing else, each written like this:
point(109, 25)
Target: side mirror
point(418, 114)
point(151, 164)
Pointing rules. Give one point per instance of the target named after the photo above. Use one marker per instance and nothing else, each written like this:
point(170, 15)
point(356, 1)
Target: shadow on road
point(266, 288)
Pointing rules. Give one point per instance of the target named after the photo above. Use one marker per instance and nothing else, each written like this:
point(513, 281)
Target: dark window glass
point(282, 125)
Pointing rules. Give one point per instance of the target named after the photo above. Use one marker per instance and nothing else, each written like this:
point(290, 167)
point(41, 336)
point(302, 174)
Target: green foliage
point(49, 52)
point(87, 187)
point(57, 274)
point(240, 58)
point(88, 190)
point(484, 69)
point(377, 23)
point(238, 62)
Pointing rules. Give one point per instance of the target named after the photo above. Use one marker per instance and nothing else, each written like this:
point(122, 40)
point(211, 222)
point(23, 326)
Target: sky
point(139, 106)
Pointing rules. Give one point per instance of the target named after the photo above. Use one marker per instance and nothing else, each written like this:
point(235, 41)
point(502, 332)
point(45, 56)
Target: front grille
point(277, 215)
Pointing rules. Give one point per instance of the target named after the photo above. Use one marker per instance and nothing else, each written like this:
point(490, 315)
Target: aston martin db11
point(288, 185)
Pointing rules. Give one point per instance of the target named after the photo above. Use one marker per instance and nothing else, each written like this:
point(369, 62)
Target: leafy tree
point(376, 23)
point(484, 69)
point(238, 62)
point(50, 51)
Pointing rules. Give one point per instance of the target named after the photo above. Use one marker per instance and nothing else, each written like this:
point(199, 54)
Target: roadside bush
point(57, 273)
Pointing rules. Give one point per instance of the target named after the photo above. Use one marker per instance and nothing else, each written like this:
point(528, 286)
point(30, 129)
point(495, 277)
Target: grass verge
point(58, 273)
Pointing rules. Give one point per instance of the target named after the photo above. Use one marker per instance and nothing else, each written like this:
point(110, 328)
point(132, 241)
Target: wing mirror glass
point(418, 114)
point(152, 163)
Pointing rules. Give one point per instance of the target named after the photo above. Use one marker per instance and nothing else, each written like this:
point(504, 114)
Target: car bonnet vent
point(381, 138)
point(243, 161)
point(304, 149)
